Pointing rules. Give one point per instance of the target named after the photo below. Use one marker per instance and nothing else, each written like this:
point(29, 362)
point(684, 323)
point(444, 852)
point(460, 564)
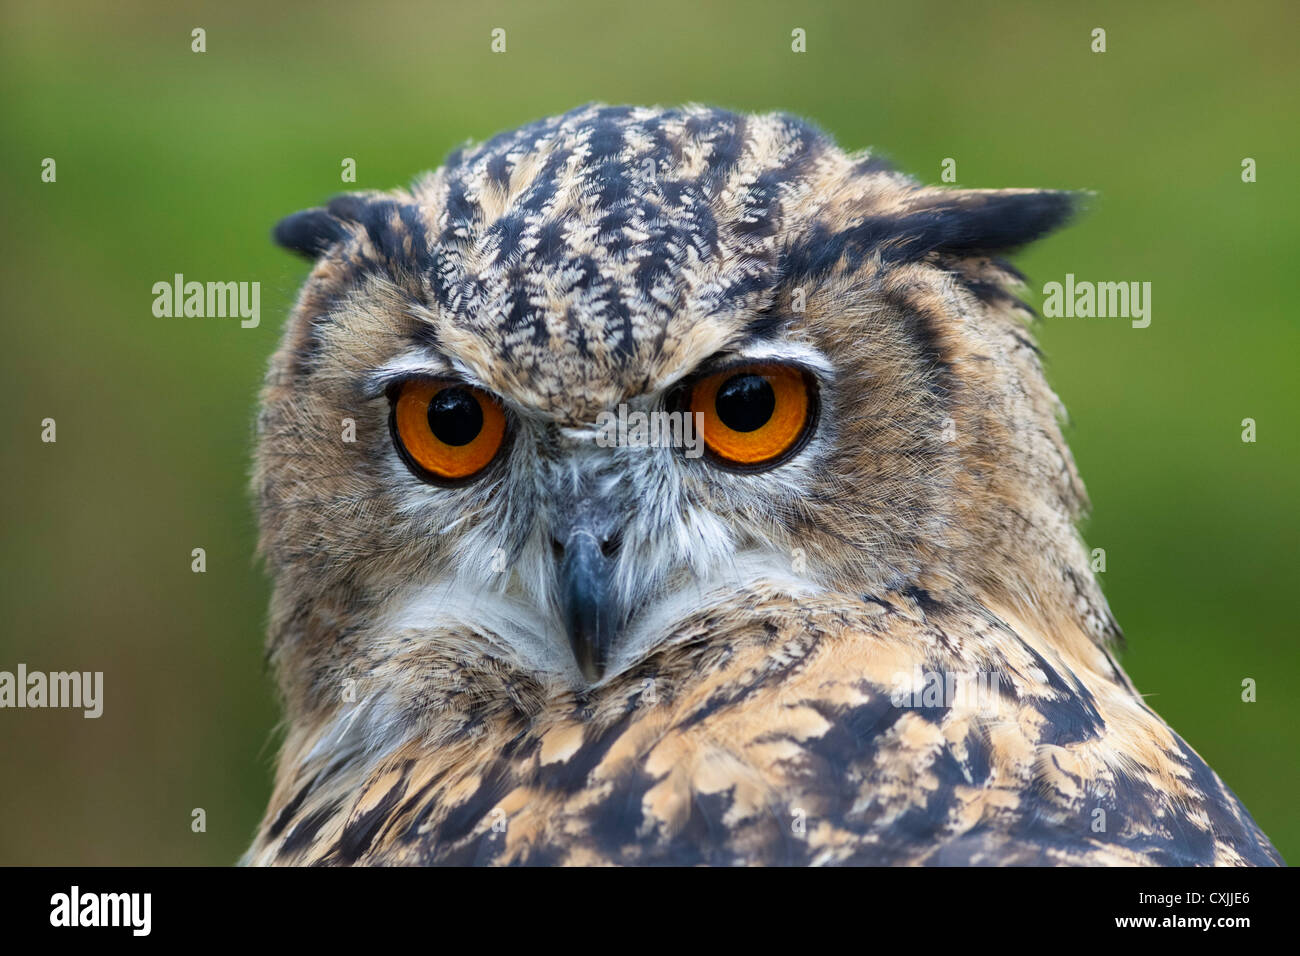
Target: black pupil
point(455, 416)
point(745, 402)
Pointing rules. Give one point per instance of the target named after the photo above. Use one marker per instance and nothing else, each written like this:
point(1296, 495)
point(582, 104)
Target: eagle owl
point(656, 486)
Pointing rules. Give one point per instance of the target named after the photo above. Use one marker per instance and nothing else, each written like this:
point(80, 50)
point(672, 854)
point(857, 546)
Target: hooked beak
point(591, 615)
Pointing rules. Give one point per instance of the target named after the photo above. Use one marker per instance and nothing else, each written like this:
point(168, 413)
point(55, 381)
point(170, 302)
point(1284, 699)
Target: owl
point(670, 486)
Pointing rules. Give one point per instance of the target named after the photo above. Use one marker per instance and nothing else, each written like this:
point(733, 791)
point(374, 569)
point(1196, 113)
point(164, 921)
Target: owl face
point(590, 380)
point(581, 536)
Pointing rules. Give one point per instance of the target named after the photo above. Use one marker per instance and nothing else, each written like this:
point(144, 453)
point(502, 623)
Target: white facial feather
point(533, 637)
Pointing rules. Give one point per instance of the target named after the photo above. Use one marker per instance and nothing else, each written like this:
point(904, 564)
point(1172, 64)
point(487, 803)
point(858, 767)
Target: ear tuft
point(309, 233)
point(992, 221)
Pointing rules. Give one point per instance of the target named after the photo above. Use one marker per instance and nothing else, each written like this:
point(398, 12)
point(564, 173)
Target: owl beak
point(587, 597)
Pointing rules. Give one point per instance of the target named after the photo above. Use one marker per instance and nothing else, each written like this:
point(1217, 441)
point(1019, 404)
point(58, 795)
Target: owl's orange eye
point(446, 431)
point(755, 416)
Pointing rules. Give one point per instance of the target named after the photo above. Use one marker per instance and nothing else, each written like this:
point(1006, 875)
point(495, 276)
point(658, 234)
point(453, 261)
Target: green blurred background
point(171, 161)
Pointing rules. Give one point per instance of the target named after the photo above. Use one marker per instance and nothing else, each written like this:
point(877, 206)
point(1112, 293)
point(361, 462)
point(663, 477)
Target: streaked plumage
point(753, 704)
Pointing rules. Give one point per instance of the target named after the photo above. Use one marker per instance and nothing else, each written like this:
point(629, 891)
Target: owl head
point(608, 373)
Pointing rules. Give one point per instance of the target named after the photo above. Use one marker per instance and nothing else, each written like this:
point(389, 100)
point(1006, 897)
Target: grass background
point(171, 161)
